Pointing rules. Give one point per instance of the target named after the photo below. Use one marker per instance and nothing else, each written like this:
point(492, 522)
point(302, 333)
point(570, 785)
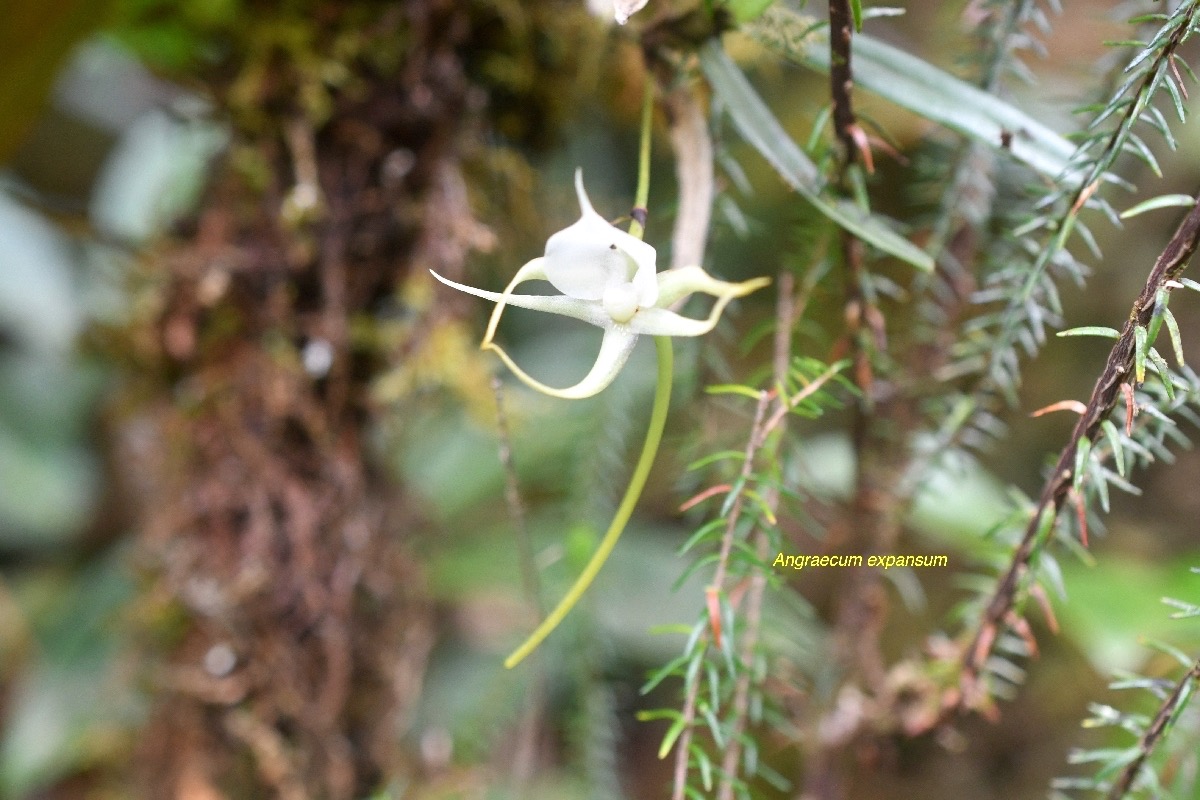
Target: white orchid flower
point(607, 277)
point(620, 10)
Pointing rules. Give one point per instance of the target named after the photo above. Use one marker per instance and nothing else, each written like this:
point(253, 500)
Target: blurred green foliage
point(64, 271)
point(73, 704)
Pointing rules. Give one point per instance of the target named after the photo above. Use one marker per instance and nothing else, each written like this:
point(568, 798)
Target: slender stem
point(782, 357)
point(658, 421)
point(512, 496)
point(841, 80)
point(637, 228)
point(753, 442)
point(760, 429)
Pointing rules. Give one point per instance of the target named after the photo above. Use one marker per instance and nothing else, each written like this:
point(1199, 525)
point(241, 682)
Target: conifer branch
point(1155, 732)
point(1118, 371)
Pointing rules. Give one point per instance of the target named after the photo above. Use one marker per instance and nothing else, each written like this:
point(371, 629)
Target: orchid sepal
point(554, 304)
point(533, 270)
point(619, 337)
point(675, 284)
point(615, 349)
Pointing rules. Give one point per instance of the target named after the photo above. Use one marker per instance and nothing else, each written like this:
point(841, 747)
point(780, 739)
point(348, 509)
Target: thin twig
point(684, 745)
point(735, 511)
point(760, 429)
point(689, 704)
point(1154, 733)
point(516, 509)
point(841, 77)
point(529, 728)
point(1118, 370)
point(784, 314)
point(871, 515)
point(983, 395)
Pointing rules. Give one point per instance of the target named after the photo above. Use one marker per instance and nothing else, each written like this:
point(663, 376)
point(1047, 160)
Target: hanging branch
point(1118, 372)
point(841, 77)
point(765, 434)
point(782, 358)
point(683, 751)
point(873, 512)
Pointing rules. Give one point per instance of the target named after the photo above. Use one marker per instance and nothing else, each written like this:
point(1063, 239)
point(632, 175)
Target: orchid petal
point(585, 259)
point(624, 9)
point(533, 270)
point(663, 322)
point(674, 284)
point(615, 348)
point(566, 306)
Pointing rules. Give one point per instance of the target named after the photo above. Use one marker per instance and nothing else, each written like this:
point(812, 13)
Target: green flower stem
point(658, 421)
point(642, 196)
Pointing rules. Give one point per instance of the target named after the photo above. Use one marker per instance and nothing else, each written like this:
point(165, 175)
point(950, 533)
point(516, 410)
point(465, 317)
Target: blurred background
point(254, 534)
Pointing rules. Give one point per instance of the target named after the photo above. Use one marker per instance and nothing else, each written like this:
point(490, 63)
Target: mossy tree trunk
point(281, 587)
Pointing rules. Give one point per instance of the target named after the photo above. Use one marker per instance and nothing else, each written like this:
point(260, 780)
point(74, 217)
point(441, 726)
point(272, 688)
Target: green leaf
point(702, 760)
point(1176, 99)
point(709, 528)
point(1174, 652)
point(672, 734)
point(712, 458)
point(1176, 341)
point(774, 778)
point(883, 11)
point(748, 10)
point(1081, 458)
point(856, 12)
point(1162, 201)
point(1156, 318)
point(1101, 488)
point(655, 679)
point(922, 88)
point(1092, 330)
point(1184, 610)
point(1139, 354)
point(1114, 444)
point(710, 719)
point(733, 388)
point(1050, 572)
point(761, 130)
point(1164, 372)
point(1135, 145)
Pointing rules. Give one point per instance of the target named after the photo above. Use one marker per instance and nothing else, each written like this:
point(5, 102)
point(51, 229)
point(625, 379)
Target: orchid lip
point(588, 257)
